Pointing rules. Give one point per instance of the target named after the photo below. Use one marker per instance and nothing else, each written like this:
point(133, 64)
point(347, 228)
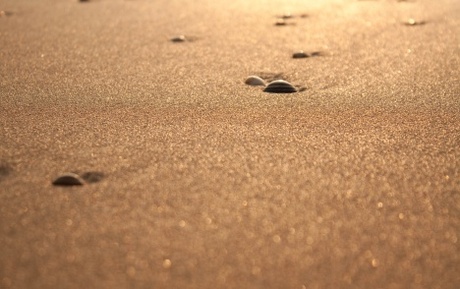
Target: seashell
point(68, 179)
point(286, 16)
point(413, 22)
point(300, 54)
point(254, 80)
point(280, 86)
point(280, 22)
point(179, 38)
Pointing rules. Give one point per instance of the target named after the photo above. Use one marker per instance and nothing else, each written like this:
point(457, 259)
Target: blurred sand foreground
point(211, 183)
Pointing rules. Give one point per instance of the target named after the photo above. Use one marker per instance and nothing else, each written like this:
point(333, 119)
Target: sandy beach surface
point(194, 179)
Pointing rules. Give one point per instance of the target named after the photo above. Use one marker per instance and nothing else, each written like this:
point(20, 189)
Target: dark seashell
point(92, 177)
point(300, 54)
point(68, 179)
point(280, 86)
point(280, 22)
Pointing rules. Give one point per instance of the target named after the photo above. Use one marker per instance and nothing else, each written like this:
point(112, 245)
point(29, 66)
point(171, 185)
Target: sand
point(211, 183)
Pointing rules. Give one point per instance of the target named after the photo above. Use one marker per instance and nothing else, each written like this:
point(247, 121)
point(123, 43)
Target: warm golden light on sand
point(229, 144)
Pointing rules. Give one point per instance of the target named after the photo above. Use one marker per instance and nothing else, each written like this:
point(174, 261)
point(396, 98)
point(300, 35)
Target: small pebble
point(291, 16)
point(179, 38)
point(413, 22)
point(5, 13)
point(167, 263)
point(68, 179)
point(254, 80)
point(286, 16)
point(280, 22)
point(280, 86)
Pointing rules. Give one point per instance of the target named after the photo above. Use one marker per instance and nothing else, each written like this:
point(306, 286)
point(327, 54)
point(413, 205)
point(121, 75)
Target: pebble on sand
point(280, 86)
point(5, 13)
point(68, 179)
point(254, 80)
point(286, 16)
point(167, 263)
point(413, 22)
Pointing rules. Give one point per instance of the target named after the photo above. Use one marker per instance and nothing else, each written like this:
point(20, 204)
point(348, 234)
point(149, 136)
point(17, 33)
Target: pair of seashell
point(290, 16)
point(303, 54)
point(282, 19)
point(276, 86)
